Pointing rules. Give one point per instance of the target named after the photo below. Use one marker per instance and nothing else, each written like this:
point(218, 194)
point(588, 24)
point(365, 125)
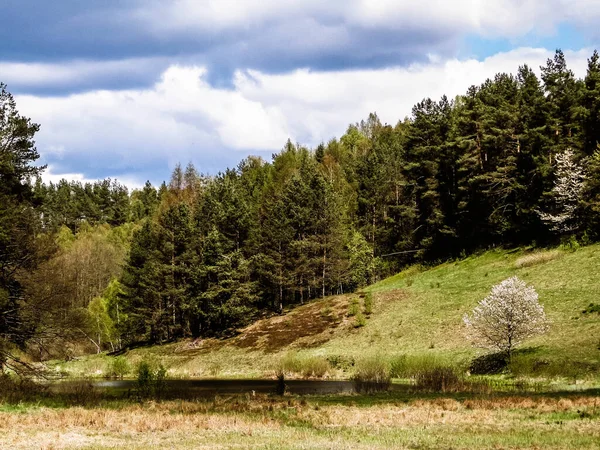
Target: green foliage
point(371, 374)
point(341, 362)
point(570, 244)
point(359, 320)
point(101, 324)
point(204, 256)
point(592, 308)
point(151, 380)
point(368, 303)
point(119, 367)
point(437, 379)
point(353, 307)
point(363, 265)
point(410, 366)
point(307, 366)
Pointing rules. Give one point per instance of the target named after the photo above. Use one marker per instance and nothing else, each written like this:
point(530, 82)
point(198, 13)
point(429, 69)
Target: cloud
point(495, 18)
point(81, 75)
point(143, 133)
point(131, 43)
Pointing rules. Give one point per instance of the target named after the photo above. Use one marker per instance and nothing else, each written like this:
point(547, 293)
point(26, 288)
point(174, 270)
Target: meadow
point(416, 314)
point(559, 421)
point(407, 327)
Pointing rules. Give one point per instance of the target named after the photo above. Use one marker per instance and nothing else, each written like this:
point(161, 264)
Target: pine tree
point(590, 110)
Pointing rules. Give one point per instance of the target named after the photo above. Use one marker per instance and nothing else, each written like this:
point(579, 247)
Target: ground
point(351, 422)
point(553, 401)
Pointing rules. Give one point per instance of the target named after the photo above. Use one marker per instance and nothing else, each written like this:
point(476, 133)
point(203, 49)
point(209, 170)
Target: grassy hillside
point(416, 312)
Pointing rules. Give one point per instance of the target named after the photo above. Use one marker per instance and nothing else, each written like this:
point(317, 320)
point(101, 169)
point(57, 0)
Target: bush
point(307, 367)
point(15, 389)
point(570, 244)
point(526, 364)
point(353, 309)
point(291, 363)
point(81, 392)
point(341, 362)
point(438, 379)
point(151, 381)
point(398, 366)
point(407, 366)
point(592, 308)
point(372, 375)
point(368, 303)
point(315, 366)
point(119, 367)
point(359, 321)
point(489, 364)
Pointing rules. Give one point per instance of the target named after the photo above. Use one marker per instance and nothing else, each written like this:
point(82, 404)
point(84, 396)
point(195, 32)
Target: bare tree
point(506, 317)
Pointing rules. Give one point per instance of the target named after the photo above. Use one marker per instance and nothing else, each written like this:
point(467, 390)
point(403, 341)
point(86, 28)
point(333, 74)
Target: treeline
point(484, 169)
point(513, 161)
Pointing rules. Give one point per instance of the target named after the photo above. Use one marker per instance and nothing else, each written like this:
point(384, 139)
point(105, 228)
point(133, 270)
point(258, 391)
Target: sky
point(126, 89)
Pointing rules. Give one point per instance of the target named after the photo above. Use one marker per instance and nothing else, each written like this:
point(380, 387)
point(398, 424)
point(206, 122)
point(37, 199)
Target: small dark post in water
point(280, 388)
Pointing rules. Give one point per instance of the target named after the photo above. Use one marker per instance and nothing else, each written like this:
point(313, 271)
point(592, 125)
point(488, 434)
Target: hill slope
point(418, 311)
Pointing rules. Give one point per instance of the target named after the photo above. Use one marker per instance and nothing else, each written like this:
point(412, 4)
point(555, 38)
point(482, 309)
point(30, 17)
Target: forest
point(91, 267)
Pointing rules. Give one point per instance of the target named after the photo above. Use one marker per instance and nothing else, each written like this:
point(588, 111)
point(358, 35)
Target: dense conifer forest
point(514, 161)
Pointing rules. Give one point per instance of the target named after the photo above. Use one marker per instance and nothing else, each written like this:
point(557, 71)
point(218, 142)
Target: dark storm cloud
point(60, 32)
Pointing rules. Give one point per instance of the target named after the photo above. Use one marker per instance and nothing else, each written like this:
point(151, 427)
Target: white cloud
point(49, 176)
point(505, 18)
point(183, 118)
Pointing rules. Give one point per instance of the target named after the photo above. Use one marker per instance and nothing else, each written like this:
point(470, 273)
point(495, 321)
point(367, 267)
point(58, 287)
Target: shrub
point(407, 366)
point(341, 362)
point(368, 303)
point(291, 363)
point(314, 366)
point(14, 389)
point(372, 375)
point(570, 244)
point(353, 309)
point(151, 381)
point(81, 392)
point(537, 258)
point(398, 366)
point(438, 379)
point(214, 369)
point(592, 308)
point(119, 367)
point(307, 367)
point(490, 364)
point(359, 321)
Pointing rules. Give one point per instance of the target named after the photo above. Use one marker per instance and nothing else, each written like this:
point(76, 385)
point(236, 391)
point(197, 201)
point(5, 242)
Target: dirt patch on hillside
point(306, 326)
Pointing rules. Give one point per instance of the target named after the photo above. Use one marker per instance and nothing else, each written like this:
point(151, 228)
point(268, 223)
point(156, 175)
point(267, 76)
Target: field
point(379, 421)
point(548, 399)
point(417, 313)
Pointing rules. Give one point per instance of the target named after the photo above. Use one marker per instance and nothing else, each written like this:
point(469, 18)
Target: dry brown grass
point(262, 421)
point(306, 326)
point(536, 258)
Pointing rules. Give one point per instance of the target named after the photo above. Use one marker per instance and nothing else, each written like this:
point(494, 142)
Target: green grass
point(417, 312)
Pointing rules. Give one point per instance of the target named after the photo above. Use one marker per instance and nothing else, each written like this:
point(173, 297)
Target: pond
point(187, 389)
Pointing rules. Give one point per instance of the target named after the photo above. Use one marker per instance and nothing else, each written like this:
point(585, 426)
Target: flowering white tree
point(568, 187)
point(506, 317)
